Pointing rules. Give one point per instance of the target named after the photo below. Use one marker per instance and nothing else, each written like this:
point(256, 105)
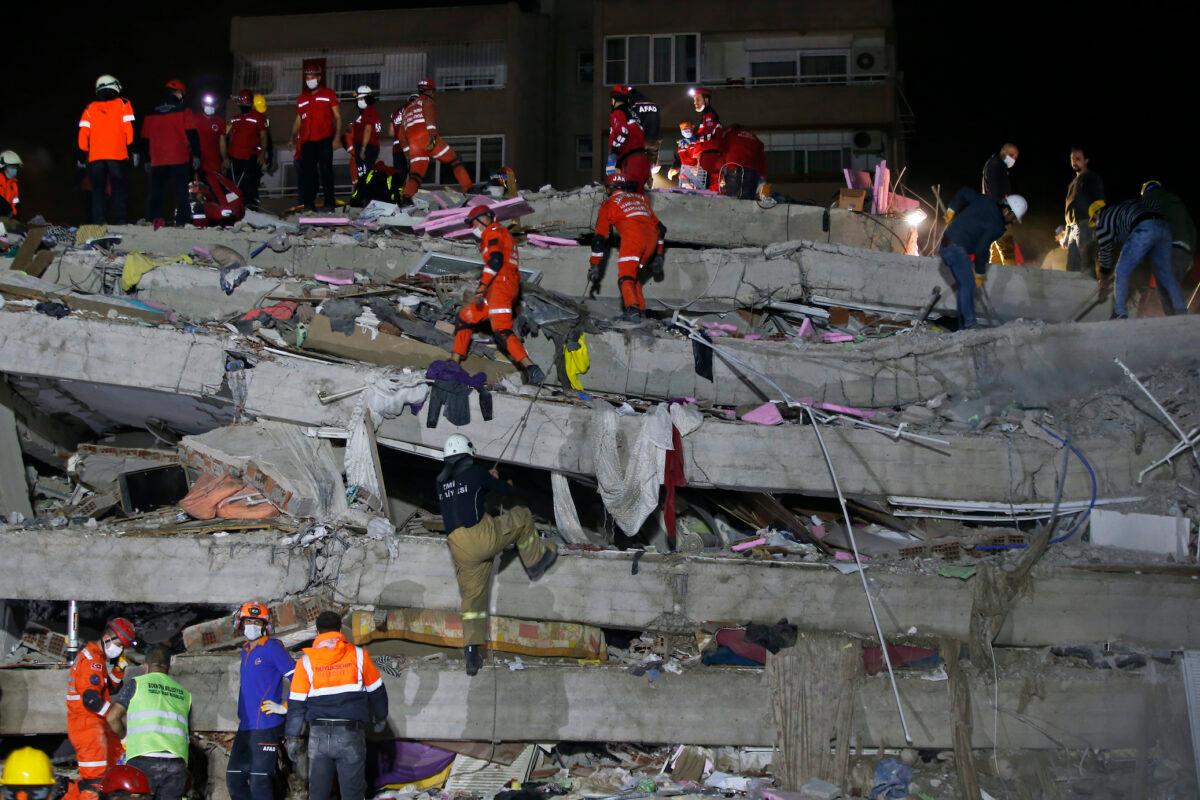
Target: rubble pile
point(794, 454)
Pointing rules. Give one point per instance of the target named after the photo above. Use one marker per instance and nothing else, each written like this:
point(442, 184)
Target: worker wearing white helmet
point(10, 192)
point(476, 537)
point(974, 222)
point(105, 138)
point(363, 141)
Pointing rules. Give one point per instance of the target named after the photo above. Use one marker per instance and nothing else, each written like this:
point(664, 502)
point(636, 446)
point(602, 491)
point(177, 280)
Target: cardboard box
point(852, 199)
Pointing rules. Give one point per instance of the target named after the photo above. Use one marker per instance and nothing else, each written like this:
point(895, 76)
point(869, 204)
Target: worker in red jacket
point(425, 142)
point(400, 151)
point(743, 163)
point(174, 155)
point(498, 291)
point(708, 135)
point(318, 119)
point(365, 130)
point(210, 129)
point(10, 190)
point(627, 213)
point(626, 141)
point(247, 147)
point(105, 136)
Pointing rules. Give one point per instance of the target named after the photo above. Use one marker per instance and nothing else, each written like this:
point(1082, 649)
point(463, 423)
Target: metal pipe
point(1183, 437)
point(326, 399)
point(73, 645)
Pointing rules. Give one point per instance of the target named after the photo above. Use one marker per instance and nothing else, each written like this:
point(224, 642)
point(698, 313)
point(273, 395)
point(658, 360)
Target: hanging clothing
point(577, 362)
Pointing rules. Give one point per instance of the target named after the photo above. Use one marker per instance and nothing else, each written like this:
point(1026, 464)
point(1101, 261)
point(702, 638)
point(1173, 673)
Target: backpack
point(646, 110)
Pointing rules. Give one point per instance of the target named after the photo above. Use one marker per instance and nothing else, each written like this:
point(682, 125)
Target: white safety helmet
point(108, 82)
point(362, 92)
point(10, 159)
point(1017, 204)
point(457, 445)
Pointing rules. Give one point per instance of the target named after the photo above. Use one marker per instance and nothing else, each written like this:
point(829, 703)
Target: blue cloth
point(891, 780)
point(978, 221)
point(610, 166)
point(452, 371)
point(264, 667)
point(1149, 239)
point(956, 258)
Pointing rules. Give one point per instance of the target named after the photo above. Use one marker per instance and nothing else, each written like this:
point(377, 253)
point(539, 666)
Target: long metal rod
point(72, 628)
point(887, 659)
point(1183, 437)
point(1192, 438)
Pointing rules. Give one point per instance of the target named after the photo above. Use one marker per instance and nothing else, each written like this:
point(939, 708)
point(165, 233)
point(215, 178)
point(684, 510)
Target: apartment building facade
point(526, 84)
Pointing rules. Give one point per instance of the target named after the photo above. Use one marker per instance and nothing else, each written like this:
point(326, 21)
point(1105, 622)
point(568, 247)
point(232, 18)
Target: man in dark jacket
point(476, 537)
point(975, 222)
point(998, 185)
point(1085, 189)
point(1183, 231)
point(1140, 232)
point(174, 154)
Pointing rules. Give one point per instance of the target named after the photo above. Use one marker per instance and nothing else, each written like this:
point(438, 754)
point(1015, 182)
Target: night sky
point(976, 75)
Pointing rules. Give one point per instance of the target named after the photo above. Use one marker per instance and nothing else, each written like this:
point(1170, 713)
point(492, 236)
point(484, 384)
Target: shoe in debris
point(473, 654)
point(534, 375)
point(633, 314)
point(544, 564)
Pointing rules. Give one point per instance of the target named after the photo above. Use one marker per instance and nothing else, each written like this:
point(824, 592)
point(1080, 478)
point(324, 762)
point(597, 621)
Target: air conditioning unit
point(867, 142)
point(870, 60)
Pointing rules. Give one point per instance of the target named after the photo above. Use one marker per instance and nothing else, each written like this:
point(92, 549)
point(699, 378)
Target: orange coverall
point(89, 691)
point(630, 215)
point(501, 286)
point(426, 144)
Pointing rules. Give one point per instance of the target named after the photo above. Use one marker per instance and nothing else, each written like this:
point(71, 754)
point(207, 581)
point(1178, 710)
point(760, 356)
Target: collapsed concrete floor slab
point(666, 593)
point(1104, 708)
point(556, 435)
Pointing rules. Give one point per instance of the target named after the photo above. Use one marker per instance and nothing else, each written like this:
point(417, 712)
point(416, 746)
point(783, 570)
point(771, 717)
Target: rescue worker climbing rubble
point(974, 221)
point(266, 668)
point(10, 191)
point(94, 679)
point(627, 214)
point(477, 537)
point(425, 142)
point(708, 135)
point(498, 291)
point(626, 141)
point(28, 775)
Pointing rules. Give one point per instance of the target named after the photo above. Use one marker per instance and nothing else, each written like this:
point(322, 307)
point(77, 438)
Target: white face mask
point(11, 172)
point(113, 649)
point(477, 233)
point(253, 631)
point(210, 110)
point(1009, 161)
point(311, 83)
point(362, 103)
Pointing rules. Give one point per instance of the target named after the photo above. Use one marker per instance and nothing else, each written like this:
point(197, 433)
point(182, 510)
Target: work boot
point(544, 564)
point(534, 375)
point(632, 314)
point(473, 654)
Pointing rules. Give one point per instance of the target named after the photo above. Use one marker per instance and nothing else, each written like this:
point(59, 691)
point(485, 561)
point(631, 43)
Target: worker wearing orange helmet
point(627, 213)
point(94, 679)
point(267, 668)
point(626, 141)
point(425, 143)
point(708, 135)
point(499, 289)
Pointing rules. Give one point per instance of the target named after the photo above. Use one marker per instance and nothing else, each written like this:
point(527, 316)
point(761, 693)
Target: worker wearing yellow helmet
point(27, 776)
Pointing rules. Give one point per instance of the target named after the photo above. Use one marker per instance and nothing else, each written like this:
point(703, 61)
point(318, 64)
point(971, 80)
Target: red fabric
point(624, 132)
point(735, 640)
point(106, 130)
point(1018, 256)
point(710, 162)
point(399, 139)
point(283, 310)
point(167, 134)
point(223, 202)
point(316, 114)
point(636, 167)
point(420, 125)
point(365, 129)
point(902, 655)
point(672, 479)
point(742, 148)
point(687, 152)
point(210, 130)
point(709, 130)
point(245, 132)
point(11, 193)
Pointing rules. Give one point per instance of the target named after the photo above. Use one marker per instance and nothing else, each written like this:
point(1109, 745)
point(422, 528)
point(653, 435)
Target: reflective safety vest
point(157, 718)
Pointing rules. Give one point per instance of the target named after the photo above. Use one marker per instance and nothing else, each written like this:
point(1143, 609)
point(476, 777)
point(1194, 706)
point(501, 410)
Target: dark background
point(1045, 75)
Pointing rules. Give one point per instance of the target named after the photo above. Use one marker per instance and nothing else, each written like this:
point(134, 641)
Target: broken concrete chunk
point(1145, 533)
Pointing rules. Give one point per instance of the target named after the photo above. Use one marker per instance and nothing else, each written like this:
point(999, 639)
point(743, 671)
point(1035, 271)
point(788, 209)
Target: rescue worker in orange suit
point(318, 119)
point(174, 155)
point(708, 135)
point(364, 131)
point(210, 129)
point(626, 212)
point(105, 136)
point(400, 151)
point(247, 147)
point(626, 141)
point(10, 191)
point(95, 678)
point(426, 144)
point(498, 290)
point(338, 691)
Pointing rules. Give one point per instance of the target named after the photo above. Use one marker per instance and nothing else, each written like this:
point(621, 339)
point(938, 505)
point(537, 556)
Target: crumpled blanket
point(138, 264)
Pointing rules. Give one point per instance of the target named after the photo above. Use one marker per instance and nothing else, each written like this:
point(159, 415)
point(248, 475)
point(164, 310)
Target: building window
point(798, 66)
point(583, 153)
point(348, 82)
point(661, 58)
point(483, 156)
point(585, 66)
point(818, 155)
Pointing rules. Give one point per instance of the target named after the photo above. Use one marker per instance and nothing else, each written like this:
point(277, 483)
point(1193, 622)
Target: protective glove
point(656, 267)
point(671, 173)
point(980, 280)
point(116, 669)
point(948, 216)
point(292, 746)
point(271, 707)
point(610, 166)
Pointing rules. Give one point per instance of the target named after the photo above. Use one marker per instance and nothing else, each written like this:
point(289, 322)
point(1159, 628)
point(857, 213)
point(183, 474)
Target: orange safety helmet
point(124, 778)
point(253, 610)
point(123, 630)
point(176, 85)
point(478, 211)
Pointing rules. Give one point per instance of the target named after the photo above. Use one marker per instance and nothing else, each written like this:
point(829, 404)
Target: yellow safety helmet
point(1093, 210)
point(260, 103)
point(27, 767)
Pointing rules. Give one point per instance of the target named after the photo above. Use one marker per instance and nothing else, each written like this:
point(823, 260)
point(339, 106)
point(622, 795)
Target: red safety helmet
point(700, 90)
point(123, 630)
point(312, 69)
point(619, 92)
point(426, 85)
point(176, 85)
point(478, 211)
point(245, 97)
point(124, 778)
point(617, 180)
point(253, 610)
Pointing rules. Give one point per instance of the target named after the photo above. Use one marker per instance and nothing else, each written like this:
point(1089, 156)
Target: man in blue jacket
point(266, 665)
point(975, 221)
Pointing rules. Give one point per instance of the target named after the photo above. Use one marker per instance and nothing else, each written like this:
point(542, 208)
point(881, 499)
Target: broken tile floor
point(247, 412)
